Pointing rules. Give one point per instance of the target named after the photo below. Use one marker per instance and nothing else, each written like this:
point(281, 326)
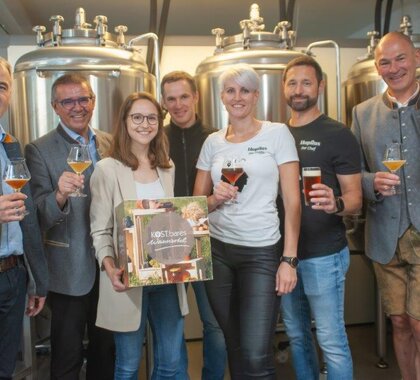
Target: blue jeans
point(320, 291)
point(161, 308)
point(12, 306)
point(214, 347)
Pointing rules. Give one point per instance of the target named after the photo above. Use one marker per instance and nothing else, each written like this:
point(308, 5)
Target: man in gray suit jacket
point(393, 219)
point(65, 222)
point(20, 239)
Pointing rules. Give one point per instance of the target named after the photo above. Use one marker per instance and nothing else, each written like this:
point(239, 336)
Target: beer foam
point(311, 173)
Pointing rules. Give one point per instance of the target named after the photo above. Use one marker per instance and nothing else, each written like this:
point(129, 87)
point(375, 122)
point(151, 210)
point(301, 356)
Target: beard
point(305, 102)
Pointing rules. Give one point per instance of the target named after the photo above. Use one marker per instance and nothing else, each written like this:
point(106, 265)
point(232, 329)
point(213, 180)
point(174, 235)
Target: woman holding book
point(138, 168)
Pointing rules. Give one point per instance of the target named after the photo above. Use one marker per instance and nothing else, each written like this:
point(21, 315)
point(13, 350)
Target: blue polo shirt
point(92, 141)
point(11, 233)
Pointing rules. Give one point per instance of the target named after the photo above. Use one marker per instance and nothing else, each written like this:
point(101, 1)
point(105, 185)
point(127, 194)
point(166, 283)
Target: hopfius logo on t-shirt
point(257, 150)
point(311, 145)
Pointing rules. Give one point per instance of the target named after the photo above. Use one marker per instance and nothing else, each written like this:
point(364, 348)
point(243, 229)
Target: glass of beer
point(79, 160)
point(17, 175)
point(232, 170)
point(393, 162)
point(310, 176)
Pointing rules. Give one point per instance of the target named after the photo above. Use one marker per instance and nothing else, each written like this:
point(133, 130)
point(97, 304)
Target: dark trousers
point(70, 316)
point(244, 301)
point(12, 306)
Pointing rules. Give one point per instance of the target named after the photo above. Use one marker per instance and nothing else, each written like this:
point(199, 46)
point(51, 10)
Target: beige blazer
point(111, 183)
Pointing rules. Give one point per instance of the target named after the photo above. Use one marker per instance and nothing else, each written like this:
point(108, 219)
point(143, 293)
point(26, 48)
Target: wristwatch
point(292, 261)
point(339, 204)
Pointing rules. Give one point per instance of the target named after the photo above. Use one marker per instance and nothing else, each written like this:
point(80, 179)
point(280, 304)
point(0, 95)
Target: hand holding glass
point(79, 160)
point(232, 169)
point(310, 176)
point(17, 175)
point(393, 162)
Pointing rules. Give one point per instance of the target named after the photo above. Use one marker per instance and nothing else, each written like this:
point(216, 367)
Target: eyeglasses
point(138, 118)
point(69, 104)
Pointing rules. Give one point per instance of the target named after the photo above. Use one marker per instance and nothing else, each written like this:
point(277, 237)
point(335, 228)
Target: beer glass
point(17, 175)
point(232, 170)
point(310, 176)
point(393, 162)
point(79, 160)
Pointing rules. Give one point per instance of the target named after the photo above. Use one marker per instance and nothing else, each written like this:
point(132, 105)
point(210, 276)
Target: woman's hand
point(114, 274)
point(224, 191)
point(286, 279)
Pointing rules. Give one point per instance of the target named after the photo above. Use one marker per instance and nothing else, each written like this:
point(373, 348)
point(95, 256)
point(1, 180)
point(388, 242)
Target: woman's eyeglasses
point(138, 118)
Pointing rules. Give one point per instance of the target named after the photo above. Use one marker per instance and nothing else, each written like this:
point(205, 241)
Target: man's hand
point(68, 183)
point(323, 198)
point(384, 182)
point(35, 305)
point(12, 207)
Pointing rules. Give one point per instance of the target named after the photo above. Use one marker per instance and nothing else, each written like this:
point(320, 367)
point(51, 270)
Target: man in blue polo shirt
point(19, 236)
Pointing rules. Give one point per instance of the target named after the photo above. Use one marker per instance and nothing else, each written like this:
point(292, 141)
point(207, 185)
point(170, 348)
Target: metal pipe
point(378, 14)
point(282, 8)
point(162, 24)
point(337, 69)
point(156, 57)
point(388, 13)
point(290, 12)
point(152, 29)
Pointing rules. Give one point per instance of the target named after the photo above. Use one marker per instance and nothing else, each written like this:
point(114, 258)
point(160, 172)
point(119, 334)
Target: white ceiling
point(345, 21)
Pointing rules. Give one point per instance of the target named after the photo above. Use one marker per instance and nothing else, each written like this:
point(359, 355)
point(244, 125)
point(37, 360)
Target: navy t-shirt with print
point(331, 146)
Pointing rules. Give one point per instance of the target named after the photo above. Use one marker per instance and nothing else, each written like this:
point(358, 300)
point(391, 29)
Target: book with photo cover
point(164, 241)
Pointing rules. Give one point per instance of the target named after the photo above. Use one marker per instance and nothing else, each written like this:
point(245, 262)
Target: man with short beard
point(323, 253)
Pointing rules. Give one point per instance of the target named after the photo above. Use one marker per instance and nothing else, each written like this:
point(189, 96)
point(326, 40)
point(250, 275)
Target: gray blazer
point(376, 123)
point(66, 233)
point(35, 260)
point(111, 184)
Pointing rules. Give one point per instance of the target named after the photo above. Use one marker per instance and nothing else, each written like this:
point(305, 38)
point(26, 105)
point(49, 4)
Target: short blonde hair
point(243, 74)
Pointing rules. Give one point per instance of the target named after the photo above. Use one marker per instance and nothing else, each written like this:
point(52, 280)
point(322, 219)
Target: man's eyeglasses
point(69, 104)
point(138, 118)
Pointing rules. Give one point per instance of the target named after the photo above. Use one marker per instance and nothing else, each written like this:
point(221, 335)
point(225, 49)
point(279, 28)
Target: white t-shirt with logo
point(253, 221)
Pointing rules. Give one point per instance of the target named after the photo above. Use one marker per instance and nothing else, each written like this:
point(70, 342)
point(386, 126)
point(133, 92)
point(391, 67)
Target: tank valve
point(80, 19)
point(57, 30)
point(406, 27)
point(373, 41)
point(254, 15)
point(39, 30)
point(282, 28)
point(101, 28)
point(121, 29)
point(219, 33)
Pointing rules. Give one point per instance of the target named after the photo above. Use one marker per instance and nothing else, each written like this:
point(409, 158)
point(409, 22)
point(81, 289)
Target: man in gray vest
point(65, 222)
point(393, 218)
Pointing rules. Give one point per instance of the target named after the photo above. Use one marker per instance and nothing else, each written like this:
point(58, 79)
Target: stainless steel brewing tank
point(267, 52)
point(269, 64)
point(113, 69)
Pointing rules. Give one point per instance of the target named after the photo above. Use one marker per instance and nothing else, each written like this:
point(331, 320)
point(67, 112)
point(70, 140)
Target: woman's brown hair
point(121, 146)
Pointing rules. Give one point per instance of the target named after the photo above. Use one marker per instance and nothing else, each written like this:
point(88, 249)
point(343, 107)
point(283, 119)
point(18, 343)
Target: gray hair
point(6, 65)
point(242, 74)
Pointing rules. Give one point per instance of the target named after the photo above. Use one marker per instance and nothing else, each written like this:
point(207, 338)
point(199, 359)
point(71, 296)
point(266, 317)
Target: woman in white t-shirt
point(248, 274)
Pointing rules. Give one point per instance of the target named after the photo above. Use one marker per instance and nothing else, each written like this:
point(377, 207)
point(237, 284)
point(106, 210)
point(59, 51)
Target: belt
point(9, 262)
